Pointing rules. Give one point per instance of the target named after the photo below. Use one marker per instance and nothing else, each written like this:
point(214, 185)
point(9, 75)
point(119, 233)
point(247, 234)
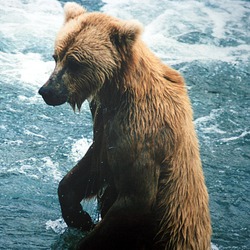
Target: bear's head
point(90, 50)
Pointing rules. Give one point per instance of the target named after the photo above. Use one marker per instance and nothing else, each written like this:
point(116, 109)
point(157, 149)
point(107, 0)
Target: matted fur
point(149, 141)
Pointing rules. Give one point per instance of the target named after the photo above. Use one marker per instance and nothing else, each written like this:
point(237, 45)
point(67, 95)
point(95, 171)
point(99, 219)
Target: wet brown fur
point(149, 140)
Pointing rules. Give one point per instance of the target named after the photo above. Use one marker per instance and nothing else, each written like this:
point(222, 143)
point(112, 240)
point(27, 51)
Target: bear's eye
point(73, 64)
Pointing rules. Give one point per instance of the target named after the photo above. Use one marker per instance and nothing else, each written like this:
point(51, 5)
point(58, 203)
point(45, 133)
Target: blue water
point(208, 41)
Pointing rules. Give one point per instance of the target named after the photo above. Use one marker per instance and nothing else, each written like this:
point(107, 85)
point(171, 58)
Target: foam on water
point(58, 225)
point(30, 68)
point(28, 29)
point(243, 134)
point(50, 169)
point(46, 169)
point(184, 31)
point(23, 22)
point(79, 148)
point(33, 69)
point(208, 124)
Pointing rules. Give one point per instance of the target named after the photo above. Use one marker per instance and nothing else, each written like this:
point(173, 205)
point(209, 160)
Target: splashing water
point(206, 40)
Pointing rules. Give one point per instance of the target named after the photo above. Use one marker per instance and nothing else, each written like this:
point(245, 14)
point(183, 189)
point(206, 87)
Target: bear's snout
point(53, 96)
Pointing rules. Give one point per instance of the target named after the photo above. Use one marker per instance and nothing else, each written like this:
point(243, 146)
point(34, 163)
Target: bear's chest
point(120, 146)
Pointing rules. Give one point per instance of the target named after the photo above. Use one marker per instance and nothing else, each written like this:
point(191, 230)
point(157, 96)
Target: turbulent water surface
point(206, 40)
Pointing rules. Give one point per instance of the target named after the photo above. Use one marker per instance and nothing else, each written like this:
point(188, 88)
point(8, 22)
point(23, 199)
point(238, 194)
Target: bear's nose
point(48, 95)
point(44, 91)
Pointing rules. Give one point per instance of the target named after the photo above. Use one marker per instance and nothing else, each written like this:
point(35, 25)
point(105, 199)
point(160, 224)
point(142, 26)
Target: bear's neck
point(135, 81)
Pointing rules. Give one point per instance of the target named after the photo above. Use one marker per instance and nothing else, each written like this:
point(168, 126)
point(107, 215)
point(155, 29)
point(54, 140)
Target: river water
point(206, 40)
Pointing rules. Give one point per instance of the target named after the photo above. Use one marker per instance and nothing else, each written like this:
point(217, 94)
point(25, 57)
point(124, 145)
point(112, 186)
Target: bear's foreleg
point(78, 184)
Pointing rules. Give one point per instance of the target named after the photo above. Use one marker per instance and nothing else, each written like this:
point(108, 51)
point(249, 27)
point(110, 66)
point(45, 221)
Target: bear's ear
point(73, 10)
point(125, 33)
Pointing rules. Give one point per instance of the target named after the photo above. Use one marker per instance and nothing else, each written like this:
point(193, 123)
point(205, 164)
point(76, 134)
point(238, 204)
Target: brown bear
point(144, 158)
